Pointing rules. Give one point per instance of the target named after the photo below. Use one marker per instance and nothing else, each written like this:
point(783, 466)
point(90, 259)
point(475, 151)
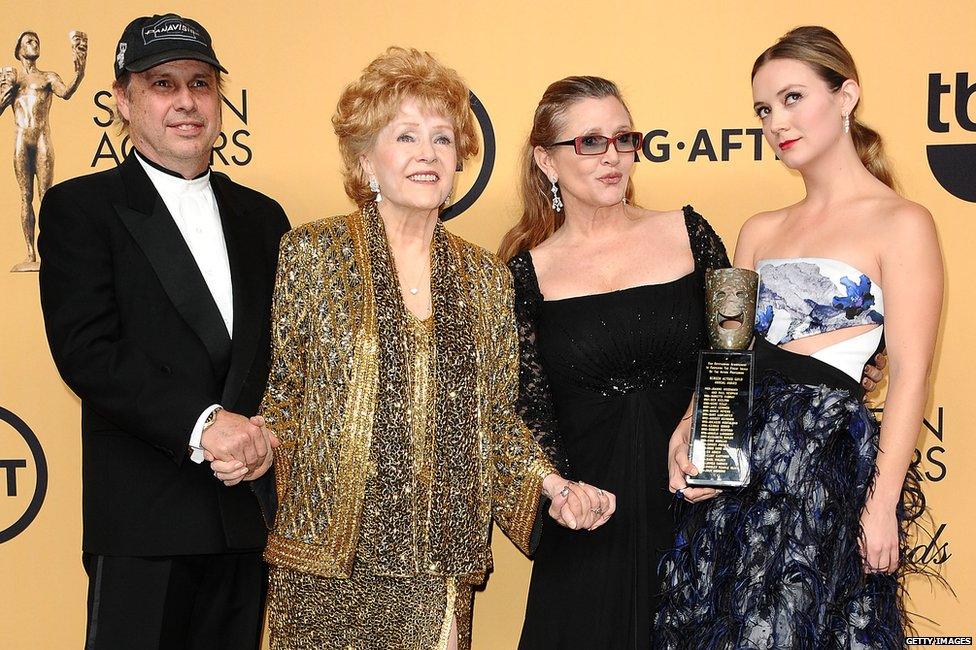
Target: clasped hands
point(577, 505)
point(238, 448)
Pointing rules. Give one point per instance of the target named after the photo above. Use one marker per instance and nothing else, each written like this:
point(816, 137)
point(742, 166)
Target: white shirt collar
point(168, 183)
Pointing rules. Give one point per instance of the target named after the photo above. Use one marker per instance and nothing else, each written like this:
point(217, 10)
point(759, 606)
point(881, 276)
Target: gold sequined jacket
point(330, 324)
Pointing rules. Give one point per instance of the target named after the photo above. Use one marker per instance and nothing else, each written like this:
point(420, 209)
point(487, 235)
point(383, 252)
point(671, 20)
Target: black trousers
point(186, 602)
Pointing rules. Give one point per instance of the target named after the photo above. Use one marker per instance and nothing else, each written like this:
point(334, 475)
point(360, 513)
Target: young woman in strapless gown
point(812, 553)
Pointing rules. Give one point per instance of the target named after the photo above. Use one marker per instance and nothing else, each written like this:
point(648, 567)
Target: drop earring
point(374, 186)
point(557, 202)
point(847, 123)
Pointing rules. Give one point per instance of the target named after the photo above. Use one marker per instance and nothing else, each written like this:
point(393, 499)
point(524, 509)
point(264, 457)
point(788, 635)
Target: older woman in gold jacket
point(392, 386)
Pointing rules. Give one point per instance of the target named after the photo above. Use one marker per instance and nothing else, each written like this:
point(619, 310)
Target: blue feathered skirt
point(776, 564)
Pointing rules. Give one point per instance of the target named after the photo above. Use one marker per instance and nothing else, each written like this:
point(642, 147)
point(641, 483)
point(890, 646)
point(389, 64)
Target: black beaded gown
point(605, 379)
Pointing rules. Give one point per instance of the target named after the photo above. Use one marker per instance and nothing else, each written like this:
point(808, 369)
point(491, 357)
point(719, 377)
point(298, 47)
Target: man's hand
point(231, 472)
point(234, 437)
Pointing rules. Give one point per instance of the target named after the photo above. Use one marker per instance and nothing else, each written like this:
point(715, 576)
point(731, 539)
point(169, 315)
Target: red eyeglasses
point(595, 145)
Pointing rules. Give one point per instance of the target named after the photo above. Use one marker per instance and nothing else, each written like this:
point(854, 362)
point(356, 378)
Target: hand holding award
point(719, 445)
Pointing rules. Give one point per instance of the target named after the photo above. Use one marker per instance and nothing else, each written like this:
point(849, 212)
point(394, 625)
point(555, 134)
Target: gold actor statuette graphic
point(720, 442)
point(29, 93)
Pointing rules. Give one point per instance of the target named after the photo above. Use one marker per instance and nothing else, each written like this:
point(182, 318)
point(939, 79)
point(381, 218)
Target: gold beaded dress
point(400, 442)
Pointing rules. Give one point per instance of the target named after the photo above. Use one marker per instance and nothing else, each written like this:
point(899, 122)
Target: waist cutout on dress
point(802, 368)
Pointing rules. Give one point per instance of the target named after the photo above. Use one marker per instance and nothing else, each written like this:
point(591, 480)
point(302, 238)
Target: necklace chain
point(415, 289)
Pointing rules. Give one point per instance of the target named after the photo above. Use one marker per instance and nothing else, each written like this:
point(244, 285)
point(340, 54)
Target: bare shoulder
point(662, 222)
point(905, 213)
point(643, 215)
point(541, 254)
point(757, 227)
point(762, 221)
point(903, 222)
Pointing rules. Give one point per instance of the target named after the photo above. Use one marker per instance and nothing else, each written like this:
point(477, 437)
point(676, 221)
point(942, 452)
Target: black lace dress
point(605, 379)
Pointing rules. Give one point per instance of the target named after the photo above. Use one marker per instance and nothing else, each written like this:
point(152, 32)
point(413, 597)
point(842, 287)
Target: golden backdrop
point(684, 68)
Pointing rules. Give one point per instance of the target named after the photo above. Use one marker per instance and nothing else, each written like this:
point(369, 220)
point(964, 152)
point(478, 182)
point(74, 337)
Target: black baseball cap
point(151, 40)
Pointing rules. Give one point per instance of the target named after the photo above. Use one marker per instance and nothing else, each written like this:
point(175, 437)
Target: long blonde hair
point(820, 49)
point(539, 220)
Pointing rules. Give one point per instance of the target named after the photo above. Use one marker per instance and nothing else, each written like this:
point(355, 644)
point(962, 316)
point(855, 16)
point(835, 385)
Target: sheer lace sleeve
point(706, 245)
point(534, 398)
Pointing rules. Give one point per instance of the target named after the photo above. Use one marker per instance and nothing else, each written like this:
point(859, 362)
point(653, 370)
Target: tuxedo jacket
point(137, 335)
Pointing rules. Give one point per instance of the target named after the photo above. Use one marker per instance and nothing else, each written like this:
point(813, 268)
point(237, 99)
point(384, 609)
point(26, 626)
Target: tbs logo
point(487, 162)
point(953, 165)
point(23, 475)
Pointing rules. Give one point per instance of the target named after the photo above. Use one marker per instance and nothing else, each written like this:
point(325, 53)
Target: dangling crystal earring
point(557, 202)
point(847, 123)
point(447, 201)
point(374, 186)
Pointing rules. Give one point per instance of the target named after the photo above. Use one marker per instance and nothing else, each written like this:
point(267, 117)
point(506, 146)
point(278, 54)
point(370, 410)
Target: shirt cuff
point(197, 454)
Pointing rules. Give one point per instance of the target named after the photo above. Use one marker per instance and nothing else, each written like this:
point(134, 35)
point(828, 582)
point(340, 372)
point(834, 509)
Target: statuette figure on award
point(29, 93)
point(719, 433)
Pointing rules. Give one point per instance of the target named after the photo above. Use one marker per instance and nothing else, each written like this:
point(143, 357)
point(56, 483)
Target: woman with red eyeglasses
point(609, 303)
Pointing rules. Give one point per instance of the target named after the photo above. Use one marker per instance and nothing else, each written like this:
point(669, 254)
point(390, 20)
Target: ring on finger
point(680, 493)
point(564, 492)
point(596, 511)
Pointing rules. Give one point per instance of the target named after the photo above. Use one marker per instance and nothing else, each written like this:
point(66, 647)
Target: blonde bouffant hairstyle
point(820, 49)
point(372, 101)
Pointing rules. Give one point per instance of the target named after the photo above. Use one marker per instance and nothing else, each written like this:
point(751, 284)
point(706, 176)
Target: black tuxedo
point(137, 335)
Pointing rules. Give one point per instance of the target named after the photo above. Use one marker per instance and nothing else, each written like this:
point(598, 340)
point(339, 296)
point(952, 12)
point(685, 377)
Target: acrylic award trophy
point(720, 442)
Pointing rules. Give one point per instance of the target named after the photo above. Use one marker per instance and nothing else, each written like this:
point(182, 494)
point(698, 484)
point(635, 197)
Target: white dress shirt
point(194, 209)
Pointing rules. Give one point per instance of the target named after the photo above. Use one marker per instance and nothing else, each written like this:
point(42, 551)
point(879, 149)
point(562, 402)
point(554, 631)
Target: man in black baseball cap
point(156, 280)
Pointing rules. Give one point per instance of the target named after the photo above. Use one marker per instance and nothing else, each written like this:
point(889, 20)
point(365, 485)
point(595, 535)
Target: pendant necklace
point(416, 289)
